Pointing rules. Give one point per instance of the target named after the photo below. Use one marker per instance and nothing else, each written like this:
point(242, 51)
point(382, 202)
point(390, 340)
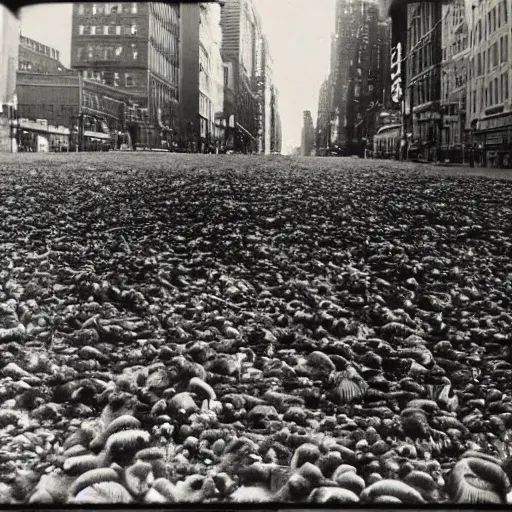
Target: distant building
point(308, 134)
point(323, 122)
point(489, 107)
point(358, 78)
point(246, 66)
point(39, 58)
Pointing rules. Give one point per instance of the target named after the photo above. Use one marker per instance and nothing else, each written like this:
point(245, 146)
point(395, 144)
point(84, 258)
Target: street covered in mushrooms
point(187, 328)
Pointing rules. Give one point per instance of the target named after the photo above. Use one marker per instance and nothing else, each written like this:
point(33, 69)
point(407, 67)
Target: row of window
point(105, 52)
point(37, 68)
point(495, 55)
point(113, 79)
point(495, 93)
point(422, 58)
point(107, 8)
point(497, 17)
point(163, 66)
point(424, 90)
point(107, 30)
point(39, 48)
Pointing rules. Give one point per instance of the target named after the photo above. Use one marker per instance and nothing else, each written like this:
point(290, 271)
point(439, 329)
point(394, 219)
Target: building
point(358, 79)
point(489, 109)
point(202, 74)
point(308, 135)
point(38, 58)
point(89, 110)
point(242, 49)
point(423, 71)
point(323, 121)
point(9, 41)
point(276, 135)
point(454, 76)
point(133, 46)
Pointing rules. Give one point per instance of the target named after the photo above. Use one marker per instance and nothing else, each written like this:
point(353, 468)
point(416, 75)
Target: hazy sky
point(298, 32)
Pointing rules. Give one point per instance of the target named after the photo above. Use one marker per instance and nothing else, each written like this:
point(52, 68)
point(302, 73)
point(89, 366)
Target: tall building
point(308, 134)
point(423, 63)
point(489, 93)
point(357, 76)
point(454, 75)
point(134, 46)
point(243, 51)
point(323, 132)
point(202, 73)
point(39, 58)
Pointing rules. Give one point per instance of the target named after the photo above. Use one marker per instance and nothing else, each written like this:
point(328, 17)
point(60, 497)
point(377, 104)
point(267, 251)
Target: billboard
point(396, 73)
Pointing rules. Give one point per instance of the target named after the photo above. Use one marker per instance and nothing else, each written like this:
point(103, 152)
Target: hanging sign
point(396, 73)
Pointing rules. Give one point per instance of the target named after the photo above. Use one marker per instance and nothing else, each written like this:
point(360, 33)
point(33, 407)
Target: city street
point(244, 314)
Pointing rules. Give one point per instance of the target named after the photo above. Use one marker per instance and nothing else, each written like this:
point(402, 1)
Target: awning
point(245, 131)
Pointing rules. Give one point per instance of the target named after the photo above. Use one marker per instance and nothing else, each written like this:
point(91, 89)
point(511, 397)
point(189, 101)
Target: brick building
point(39, 58)
point(133, 46)
point(88, 109)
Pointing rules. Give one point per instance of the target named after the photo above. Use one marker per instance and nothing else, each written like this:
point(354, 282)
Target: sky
point(298, 34)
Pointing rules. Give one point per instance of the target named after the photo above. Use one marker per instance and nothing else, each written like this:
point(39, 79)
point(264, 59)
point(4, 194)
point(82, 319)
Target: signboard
point(494, 122)
point(396, 73)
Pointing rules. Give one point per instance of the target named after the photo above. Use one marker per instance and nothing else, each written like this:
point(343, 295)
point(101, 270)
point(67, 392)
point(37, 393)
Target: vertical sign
point(396, 73)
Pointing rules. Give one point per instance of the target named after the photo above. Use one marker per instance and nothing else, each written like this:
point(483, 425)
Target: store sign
point(396, 73)
point(495, 122)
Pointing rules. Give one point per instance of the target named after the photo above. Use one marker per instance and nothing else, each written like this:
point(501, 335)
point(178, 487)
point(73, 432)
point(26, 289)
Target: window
point(129, 80)
point(135, 53)
point(93, 30)
point(496, 91)
point(505, 12)
point(226, 76)
point(504, 50)
point(505, 87)
point(118, 30)
point(94, 8)
point(116, 79)
point(133, 30)
point(119, 51)
point(134, 7)
point(81, 9)
point(81, 30)
point(90, 52)
point(494, 18)
point(79, 53)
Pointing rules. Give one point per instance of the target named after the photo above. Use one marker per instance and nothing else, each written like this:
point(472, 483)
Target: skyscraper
point(308, 134)
point(134, 46)
point(356, 73)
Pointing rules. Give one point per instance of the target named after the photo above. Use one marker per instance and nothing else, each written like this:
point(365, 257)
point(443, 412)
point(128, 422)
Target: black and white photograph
point(256, 253)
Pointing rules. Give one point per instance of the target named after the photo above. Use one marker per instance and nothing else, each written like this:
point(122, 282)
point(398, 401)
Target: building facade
point(9, 42)
point(202, 75)
point(88, 110)
point(323, 132)
point(38, 58)
point(489, 109)
point(423, 70)
point(308, 134)
point(454, 77)
point(133, 46)
point(359, 79)
point(242, 56)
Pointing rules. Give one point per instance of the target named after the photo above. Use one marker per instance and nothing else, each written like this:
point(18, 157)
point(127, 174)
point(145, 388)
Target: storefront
point(493, 139)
